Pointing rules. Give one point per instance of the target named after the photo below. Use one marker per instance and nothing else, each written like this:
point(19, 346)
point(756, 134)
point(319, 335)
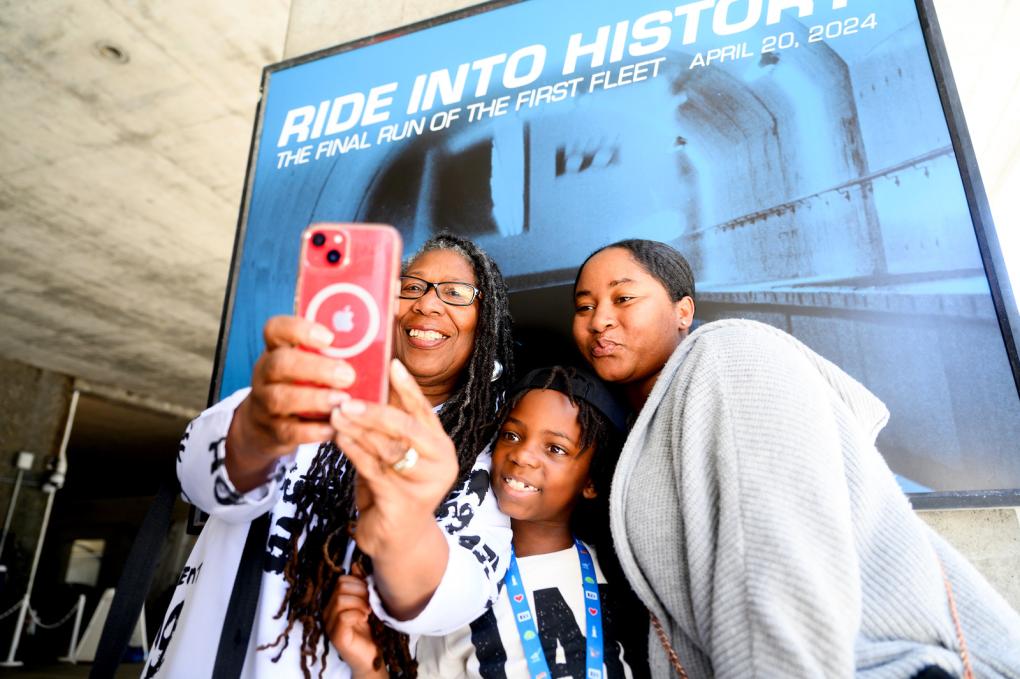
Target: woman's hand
point(376, 437)
point(287, 382)
point(396, 523)
point(346, 618)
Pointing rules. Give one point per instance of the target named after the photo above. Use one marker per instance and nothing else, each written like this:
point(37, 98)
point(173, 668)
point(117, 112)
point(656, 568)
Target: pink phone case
point(347, 281)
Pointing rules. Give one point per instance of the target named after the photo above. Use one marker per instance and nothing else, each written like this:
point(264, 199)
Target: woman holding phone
point(750, 509)
point(437, 553)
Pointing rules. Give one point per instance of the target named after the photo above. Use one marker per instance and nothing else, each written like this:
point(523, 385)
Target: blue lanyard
point(537, 665)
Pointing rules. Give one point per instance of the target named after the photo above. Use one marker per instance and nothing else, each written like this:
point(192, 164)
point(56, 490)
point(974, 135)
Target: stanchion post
point(72, 648)
point(55, 483)
point(16, 637)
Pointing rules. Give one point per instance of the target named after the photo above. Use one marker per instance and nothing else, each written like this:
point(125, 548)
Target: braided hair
point(468, 415)
point(662, 261)
point(324, 496)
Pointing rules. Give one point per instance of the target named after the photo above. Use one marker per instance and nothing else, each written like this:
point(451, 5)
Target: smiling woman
point(436, 540)
point(436, 334)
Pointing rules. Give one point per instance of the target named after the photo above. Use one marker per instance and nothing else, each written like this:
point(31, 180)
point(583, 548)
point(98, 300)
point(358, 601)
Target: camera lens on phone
point(318, 239)
point(333, 256)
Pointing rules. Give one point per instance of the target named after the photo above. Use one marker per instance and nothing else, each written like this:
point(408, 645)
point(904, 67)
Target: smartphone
point(348, 281)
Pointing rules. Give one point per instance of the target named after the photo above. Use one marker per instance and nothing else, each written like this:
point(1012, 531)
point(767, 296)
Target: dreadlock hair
point(467, 416)
point(324, 496)
point(662, 261)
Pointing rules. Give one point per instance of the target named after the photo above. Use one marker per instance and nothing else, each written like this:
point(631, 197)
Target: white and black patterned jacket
point(478, 533)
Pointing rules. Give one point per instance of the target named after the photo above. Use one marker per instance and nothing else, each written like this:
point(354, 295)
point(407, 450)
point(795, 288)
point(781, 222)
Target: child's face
point(538, 469)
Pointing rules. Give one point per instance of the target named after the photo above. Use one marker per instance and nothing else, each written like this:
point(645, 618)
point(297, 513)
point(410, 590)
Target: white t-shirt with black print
point(491, 647)
point(478, 535)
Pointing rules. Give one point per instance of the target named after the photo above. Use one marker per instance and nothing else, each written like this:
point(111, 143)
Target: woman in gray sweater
point(750, 508)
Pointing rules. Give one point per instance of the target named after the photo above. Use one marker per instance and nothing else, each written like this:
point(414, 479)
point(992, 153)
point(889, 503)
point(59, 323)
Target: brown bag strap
point(674, 659)
point(968, 671)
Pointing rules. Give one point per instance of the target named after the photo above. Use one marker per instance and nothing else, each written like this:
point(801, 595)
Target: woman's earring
point(497, 370)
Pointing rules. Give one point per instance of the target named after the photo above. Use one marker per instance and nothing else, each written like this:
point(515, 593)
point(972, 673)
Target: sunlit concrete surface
point(991, 541)
point(982, 46)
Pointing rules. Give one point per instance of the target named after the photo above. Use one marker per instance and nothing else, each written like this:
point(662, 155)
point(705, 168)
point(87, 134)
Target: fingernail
point(352, 407)
point(399, 371)
point(321, 335)
point(335, 398)
point(343, 374)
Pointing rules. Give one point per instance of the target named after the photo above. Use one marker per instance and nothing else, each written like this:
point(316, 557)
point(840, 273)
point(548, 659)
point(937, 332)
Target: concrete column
point(989, 538)
point(33, 409)
point(317, 24)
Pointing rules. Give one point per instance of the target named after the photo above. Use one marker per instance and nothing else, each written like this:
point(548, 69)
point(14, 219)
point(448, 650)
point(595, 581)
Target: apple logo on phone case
point(343, 320)
point(350, 311)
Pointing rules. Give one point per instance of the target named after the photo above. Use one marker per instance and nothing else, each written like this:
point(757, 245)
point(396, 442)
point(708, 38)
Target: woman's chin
point(434, 377)
point(609, 369)
point(422, 364)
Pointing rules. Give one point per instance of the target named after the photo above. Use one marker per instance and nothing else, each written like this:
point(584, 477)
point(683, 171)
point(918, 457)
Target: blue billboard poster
point(798, 152)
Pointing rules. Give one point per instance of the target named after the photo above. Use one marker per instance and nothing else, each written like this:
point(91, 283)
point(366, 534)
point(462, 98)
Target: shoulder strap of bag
point(674, 658)
point(244, 600)
point(968, 669)
point(134, 582)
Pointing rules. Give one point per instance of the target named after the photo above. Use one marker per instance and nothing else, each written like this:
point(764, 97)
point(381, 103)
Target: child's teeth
point(519, 485)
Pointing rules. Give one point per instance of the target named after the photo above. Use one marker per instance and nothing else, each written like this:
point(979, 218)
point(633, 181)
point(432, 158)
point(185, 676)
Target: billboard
point(807, 156)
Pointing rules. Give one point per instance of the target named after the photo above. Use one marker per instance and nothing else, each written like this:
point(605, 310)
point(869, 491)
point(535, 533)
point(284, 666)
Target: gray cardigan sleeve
point(752, 512)
point(766, 535)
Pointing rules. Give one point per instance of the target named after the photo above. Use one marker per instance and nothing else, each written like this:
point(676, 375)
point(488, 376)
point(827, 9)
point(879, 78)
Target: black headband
point(582, 386)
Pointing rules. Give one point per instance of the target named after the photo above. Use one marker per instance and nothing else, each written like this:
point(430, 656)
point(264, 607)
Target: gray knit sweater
point(754, 516)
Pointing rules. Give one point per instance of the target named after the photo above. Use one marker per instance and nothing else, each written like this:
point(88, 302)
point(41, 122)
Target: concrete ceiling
point(123, 145)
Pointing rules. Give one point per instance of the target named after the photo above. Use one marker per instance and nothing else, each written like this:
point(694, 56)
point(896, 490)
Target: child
point(556, 615)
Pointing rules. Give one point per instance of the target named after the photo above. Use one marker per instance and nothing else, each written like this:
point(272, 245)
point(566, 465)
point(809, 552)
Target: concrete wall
point(34, 405)
point(990, 538)
point(33, 409)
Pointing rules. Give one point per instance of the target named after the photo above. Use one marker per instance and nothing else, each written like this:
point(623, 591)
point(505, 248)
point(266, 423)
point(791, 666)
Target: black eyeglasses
point(449, 292)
